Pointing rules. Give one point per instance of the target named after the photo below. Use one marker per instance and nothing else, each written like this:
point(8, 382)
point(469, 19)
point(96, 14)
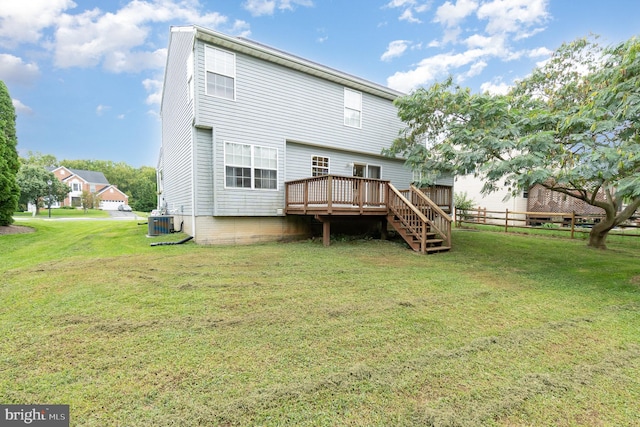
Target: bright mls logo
point(34, 415)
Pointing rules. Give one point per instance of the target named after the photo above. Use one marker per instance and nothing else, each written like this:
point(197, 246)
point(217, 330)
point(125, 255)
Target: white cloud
point(450, 15)
point(432, 68)
point(24, 21)
point(539, 52)
point(451, 35)
point(288, 4)
point(395, 49)
point(401, 3)
point(15, 70)
point(498, 88)
point(268, 7)
point(154, 88)
point(475, 69)
point(101, 109)
point(407, 15)
point(527, 34)
point(260, 7)
point(409, 8)
point(513, 16)
point(115, 39)
point(20, 107)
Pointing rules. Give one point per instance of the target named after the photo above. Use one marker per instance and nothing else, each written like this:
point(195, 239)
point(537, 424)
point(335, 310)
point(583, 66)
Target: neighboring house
point(241, 120)
point(94, 182)
point(536, 199)
point(498, 201)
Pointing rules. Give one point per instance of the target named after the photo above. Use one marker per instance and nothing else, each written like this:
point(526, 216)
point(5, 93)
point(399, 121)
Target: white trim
point(209, 68)
point(252, 166)
point(328, 164)
point(352, 107)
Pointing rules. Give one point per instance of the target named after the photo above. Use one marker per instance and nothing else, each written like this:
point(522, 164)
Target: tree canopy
point(9, 164)
point(571, 126)
point(34, 186)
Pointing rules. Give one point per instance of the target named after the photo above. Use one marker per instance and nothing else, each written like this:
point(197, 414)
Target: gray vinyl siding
point(299, 164)
point(205, 192)
point(177, 119)
point(275, 104)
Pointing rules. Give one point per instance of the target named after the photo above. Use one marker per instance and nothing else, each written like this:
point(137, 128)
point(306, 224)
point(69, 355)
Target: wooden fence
point(552, 221)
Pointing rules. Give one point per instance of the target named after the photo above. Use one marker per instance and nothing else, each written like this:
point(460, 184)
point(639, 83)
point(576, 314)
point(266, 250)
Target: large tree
point(572, 126)
point(9, 164)
point(35, 188)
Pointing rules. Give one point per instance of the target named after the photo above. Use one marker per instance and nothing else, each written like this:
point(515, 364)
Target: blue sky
point(85, 76)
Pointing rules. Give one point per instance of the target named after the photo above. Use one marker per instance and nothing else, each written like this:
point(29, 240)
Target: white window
point(319, 166)
point(352, 108)
point(221, 73)
point(250, 166)
point(76, 186)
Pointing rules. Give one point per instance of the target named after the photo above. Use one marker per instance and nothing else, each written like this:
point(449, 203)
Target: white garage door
point(110, 206)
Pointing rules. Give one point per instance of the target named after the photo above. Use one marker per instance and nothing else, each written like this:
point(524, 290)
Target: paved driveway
point(122, 215)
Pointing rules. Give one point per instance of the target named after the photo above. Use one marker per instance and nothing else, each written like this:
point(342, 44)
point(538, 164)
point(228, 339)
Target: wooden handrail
point(430, 202)
point(438, 212)
point(421, 232)
point(408, 203)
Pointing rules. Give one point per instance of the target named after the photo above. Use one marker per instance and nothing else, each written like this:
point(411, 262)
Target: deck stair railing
point(439, 221)
point(422, 224)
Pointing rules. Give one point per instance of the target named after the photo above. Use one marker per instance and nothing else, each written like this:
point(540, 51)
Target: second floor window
point(352, 108)
point(221, 73)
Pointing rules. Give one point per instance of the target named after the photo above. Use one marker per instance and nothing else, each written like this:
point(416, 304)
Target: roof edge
point(274, 55)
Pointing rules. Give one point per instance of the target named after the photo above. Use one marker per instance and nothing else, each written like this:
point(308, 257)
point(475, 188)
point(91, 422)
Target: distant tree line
point(137, 183)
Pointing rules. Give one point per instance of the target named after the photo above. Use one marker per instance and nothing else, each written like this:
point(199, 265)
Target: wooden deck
point(422, 222)
point(336, 195)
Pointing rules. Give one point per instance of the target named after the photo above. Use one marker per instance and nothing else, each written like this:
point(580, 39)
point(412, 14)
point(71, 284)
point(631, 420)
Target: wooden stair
point(433, 244)
point(420, 222)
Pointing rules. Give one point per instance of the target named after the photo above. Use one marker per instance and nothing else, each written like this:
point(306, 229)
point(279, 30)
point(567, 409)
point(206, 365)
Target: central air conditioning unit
point(160, 225)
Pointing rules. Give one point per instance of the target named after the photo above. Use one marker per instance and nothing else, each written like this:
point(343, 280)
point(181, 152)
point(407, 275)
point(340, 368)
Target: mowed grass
point(504, 330)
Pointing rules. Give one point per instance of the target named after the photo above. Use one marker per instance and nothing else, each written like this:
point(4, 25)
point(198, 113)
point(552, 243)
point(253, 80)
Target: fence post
point(573, 222)
point(506, 221)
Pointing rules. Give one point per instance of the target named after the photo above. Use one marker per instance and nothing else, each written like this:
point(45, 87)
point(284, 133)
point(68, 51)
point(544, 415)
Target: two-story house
point(91, 181)
point(241, 122)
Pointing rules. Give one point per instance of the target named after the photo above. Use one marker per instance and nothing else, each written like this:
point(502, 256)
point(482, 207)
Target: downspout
point(193, 136)
point(193, 181)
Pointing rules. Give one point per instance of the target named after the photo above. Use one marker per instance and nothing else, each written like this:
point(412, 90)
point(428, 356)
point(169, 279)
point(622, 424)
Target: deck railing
point(332, 191)
point(441, 195)
point(413, 220)
point(439, 221)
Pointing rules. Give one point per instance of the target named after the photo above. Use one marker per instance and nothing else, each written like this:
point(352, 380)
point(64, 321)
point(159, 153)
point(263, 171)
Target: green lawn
point(504, 330)
point(65, 213)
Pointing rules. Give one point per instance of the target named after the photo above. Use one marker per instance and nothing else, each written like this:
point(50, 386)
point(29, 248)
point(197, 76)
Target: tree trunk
point(600, 231)
point(597, 239)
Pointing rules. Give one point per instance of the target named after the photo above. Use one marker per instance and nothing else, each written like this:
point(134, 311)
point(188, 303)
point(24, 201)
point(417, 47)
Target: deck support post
point(326, 232)
point(384, 232)
point(326, 229)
